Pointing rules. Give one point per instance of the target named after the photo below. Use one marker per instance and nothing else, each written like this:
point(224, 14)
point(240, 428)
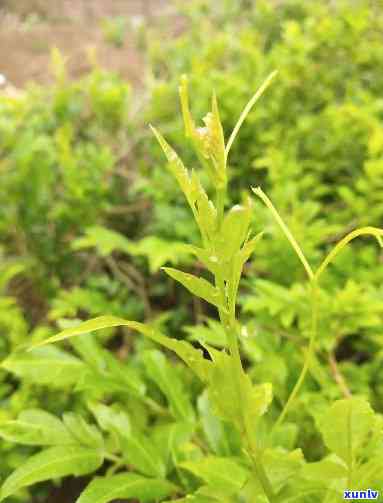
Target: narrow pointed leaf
point(176, 167)
point(46, 366)
point(52, 463)
point(191, 356)
point(206, 214)
point(239, 261)
point(247, 109)
point(223, 392)
point(111, 420)
point(167, 379)
point(124, 486)
point(234, 230)
point(85, 434)
point(223, 473)
point(36, 427)
point(139, 451)
point(184, 98)
point(197, 286)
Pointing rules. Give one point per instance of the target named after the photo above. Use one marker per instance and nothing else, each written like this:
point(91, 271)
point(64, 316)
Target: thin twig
point(139, 288)
point(338, 376)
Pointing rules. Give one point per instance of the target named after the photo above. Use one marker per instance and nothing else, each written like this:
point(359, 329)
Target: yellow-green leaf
point(52, 463)
point(197, 286)
point(191, 356)
point(125, 486)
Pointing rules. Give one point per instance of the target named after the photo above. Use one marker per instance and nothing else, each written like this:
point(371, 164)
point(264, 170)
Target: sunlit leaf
point(36, 427)
point(191, 356)
point(46, 366)
point(52, 463)
point(346, 426)
point(198, 286)
point(123, 486)
point(167, 379)
point(86, 434)
point(223, 473)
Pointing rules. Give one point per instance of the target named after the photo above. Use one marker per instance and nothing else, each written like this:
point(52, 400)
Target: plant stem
point(228, 322)
point(338, 376)
point(220, 202)
point(310, 352)
point(112, 457)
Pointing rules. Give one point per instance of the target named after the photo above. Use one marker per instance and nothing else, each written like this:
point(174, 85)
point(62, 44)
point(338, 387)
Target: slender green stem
point(298, 250)
point(313, 278)
point(373, 231)
point(309, 355)
point(247, 109)
point(221, 195)
point(262, 476)
point(156, 407)
point(228, 322)
point(247, 428)
point(112, 457)
point(227, 318)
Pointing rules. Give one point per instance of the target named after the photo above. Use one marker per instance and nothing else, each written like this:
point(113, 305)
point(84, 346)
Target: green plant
point(243, 453)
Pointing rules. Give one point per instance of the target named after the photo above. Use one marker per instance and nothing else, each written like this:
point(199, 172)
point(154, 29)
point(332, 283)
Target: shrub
point(241, 451)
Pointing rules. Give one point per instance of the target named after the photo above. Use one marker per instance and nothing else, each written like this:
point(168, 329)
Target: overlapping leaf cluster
point(234, 453)
point(78, 155)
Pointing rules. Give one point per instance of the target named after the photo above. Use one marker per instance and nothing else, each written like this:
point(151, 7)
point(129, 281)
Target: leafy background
point(89, 215)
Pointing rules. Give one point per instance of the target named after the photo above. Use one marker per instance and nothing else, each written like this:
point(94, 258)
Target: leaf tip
point(257, 190)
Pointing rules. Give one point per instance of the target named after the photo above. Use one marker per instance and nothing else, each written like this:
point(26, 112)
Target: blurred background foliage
point(89, 213)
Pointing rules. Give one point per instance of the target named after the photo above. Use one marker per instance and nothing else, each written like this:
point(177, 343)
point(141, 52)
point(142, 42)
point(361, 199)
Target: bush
point(89, 211)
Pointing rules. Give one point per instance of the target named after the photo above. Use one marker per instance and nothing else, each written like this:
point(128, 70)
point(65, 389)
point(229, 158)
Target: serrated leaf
point(125, 485)
point(213, 333)
point(104, 240)
point(177, 168)
point(206, 215)
point(52, 463)
point(234, 230)
point(111, 420)
point(325, 470)
point(46, 366)
point(369, 474)
point(191, 356)
point(223, 473)
point(216, 143)
point(36, 427)
point(254, 400)
point(197, 286)
point(159, 251)
point(139, 451)
point(346, 426)
point(90, 351)
point(85, 434)
point(213, 427)
point(239, 261)
point(169, 382)
point(170, 438)
point(207, 257)
point(281, 466)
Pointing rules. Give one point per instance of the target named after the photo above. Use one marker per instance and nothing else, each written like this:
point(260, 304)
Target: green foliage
point(234, 409)
point(284, 405)
point(125, 485)
point(51, 463)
